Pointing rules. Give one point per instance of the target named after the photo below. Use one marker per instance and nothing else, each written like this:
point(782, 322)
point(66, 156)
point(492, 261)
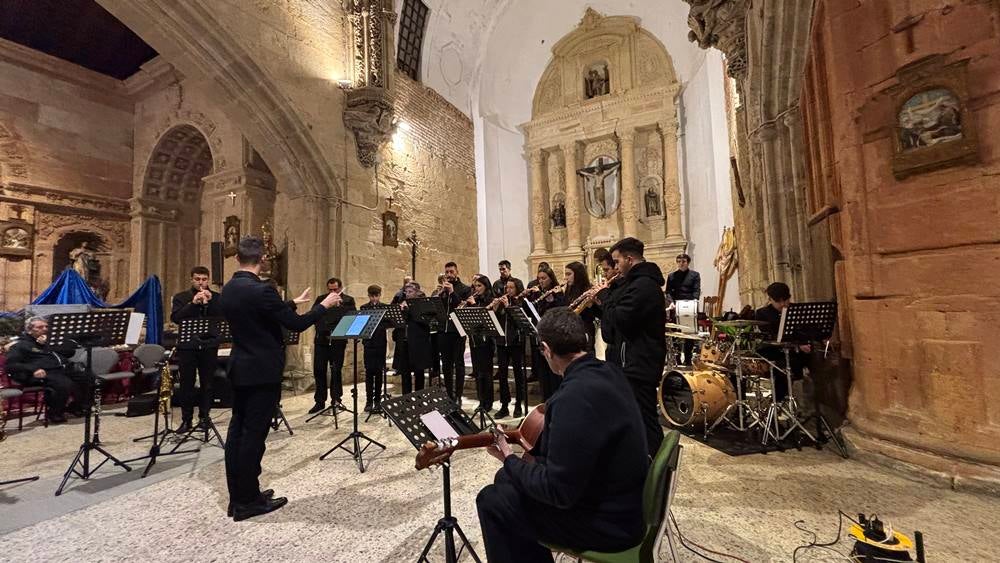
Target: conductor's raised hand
point(303, 297)
point(331, 300)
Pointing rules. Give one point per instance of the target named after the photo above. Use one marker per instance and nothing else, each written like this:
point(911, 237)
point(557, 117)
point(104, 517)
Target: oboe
point(586, 299)
point(555, 289)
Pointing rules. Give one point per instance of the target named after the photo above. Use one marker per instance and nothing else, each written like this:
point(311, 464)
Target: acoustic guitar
point(439, 451)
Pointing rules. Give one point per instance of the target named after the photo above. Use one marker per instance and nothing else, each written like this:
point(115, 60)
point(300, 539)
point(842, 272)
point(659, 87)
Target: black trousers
point(205, 362)
point(59, 386)
point(253, 408)
point(514, 526)
point(374, 369)
point(331, 357)
point(546, 379)
point(645, 396)
point(452, 348)
point(512, 356)
point(482, 368)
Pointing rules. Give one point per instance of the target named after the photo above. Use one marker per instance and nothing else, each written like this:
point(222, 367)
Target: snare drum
point(687, 398)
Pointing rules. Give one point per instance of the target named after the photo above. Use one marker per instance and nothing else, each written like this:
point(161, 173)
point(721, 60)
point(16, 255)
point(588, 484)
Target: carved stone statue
point(558, 216)
point(369, 113)
point(652, 201)
point(271, 263)
point(83, 258)
point(601, 186)
point(597, 83)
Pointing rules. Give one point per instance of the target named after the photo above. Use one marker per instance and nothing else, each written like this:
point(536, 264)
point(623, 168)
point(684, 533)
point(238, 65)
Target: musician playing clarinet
point(546, 295)
point(481, 345)
point(199, 301)
point(584, 488)
point(510, 353)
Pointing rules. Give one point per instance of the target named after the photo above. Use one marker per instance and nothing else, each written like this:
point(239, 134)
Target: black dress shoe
point(55, 419)
point(502, 413)
point(267, 494)
point(517, 410)
point(184, 428)
point(368, 407)
point(243, 511)
point(317, 407)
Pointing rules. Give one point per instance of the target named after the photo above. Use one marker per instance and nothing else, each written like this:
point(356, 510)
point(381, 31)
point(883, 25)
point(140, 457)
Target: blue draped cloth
point(70, 289)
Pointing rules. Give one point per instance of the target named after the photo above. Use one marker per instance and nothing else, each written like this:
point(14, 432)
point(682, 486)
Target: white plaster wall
point(705, 179)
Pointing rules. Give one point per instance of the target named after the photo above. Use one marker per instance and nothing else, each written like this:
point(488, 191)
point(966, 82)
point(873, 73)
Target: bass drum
point(690, 397)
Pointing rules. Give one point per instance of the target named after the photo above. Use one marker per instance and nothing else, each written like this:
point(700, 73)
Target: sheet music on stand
point(522, 320)
point(394, 314)
point(470, 320)
point(807, 322)
point(430, 309)
point(102, 327)
point(534, 311)
point(207, 332)
point(405, 412)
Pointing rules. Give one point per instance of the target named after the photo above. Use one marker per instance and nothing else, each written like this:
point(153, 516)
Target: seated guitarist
point(583, 489)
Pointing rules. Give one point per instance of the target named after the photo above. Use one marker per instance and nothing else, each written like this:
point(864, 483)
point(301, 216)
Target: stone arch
point(192, 39)
point(173, 173)
point(113, 251)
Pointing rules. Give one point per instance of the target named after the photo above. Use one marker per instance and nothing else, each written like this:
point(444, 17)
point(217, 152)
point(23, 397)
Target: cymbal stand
point(743, 410)
point(786, 406)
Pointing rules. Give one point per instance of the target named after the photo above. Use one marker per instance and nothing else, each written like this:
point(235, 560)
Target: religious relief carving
point(597, 82)
point(721, 24)
point(369, 113)
point(271, 262)
point(601, 186)
point(50, 197)
point(84, 260)
point(558, 215)
point(932, 127)
point(16, 237)
point(390, 229)
point(672, 201)
point(46, 225)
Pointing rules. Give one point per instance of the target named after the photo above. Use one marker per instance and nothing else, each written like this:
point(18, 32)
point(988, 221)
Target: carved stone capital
point(369, 113)
point(721, 24)
point(536, 157)
point(667, 127)
point(765, 133)
point(626, 136)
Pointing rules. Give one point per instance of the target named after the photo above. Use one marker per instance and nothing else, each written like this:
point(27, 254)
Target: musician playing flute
point(510, 353)
point(481, 345)
point(547, 296)
point(198, 301)
point(583, 489)
point(451, 344)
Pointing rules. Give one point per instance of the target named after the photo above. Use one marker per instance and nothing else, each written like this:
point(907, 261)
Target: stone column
point(569, 151)
point(629, 213)
point(671, 185)
point(538, 199)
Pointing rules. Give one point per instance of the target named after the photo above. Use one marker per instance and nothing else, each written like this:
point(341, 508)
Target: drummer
point(683, 284)
point(779, 296)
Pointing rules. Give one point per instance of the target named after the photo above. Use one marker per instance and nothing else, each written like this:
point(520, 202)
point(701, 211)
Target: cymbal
point(675, 326)
point(741, 323)
point(715, 367)
point(683, 336)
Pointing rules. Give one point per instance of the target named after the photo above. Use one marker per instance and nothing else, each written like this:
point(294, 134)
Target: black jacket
point(27, 355)
point(182, 308)
point(256, 316)
point(636, 313)
point(513, 336)
point(597, 468)
point(328, 321)
point(683, 285)
point(460, 293)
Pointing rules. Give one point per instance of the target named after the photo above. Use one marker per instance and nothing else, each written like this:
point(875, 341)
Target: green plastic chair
point(656, 497)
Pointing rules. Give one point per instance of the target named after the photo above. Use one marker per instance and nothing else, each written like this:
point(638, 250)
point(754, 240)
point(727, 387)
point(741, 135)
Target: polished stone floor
point(745, 506)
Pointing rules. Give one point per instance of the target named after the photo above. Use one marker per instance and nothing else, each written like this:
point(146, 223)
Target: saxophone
point(166, 388)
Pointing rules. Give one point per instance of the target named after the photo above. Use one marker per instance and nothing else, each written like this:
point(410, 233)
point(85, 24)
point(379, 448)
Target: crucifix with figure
point(601, 185)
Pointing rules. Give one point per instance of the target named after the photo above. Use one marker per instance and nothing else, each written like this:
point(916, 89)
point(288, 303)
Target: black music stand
point(527, 326)
point(805, 323)
point(393, 318)
point(335, 408)
point(205, 332)
point(89, 331)
point(406, 411)
point(160, 436)
point(356, 326)
point(478, 322)
point(289, 338)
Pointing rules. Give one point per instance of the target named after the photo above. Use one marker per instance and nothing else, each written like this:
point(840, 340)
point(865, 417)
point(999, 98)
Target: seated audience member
point(31, 361)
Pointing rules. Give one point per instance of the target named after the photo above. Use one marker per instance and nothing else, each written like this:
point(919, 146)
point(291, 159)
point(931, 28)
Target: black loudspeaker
point(217, 272)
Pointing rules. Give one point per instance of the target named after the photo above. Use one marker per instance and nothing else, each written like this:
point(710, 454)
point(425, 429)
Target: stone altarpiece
point(574, 124)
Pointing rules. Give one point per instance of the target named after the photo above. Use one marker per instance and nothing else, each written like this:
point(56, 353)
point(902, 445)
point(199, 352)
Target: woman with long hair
point(547, 281)
point(577, 282)
point(510, 353)
point(481, 345)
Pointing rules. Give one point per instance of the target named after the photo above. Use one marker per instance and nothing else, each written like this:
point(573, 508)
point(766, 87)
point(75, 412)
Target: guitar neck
point(484, 439)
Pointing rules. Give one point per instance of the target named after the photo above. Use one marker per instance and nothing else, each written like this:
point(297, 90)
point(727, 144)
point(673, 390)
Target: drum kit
point(726, 382)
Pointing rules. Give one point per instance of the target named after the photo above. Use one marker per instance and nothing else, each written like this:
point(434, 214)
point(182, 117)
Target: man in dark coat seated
point(31, 361)
point(583, 489)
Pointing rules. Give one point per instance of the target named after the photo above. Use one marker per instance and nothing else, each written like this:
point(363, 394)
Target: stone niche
point(602, 144)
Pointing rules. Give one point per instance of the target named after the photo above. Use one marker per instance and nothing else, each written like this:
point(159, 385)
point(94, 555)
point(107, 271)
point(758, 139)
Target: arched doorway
point(168, 214)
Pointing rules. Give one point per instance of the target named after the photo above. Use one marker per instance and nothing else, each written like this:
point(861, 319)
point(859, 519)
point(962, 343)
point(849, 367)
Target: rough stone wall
point(65, 159)
point(920, 279)
point(429, 170)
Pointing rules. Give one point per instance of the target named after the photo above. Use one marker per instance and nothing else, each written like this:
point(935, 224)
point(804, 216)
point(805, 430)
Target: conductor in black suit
point(256, 315)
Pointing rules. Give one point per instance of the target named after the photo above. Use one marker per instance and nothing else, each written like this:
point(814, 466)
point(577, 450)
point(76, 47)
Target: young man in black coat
point(451, 344)
point(636, 312)
point(375, 351)
point(256, 315)
point(584, 488)
point(500, 285)
point(201, 355)
point(32, 361)
point(328, 354)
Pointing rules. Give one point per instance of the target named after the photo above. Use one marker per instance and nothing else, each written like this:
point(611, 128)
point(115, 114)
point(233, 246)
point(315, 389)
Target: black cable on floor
point(684, 541)
point(815, 541)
